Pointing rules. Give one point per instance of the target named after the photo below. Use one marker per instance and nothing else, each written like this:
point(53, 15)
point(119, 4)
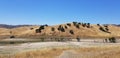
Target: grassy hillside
point(75, 29)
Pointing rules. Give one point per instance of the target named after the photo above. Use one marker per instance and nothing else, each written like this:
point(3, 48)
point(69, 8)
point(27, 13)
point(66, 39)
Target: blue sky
point(59, 11)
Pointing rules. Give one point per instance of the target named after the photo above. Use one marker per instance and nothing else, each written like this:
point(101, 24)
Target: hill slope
point(75, 29)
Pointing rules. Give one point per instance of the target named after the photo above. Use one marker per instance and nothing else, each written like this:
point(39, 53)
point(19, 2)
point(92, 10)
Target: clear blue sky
point(59, 11)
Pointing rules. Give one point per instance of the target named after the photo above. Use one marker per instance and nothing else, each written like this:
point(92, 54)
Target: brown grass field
point(83, 32)
point(88, 52)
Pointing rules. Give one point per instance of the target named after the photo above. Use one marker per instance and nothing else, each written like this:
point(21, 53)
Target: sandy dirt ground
point(14, 48)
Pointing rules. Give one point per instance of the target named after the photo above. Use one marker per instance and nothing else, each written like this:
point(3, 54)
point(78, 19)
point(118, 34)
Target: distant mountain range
point(12, 26)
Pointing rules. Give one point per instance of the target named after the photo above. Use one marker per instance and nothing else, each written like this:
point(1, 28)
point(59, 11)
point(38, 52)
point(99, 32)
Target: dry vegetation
point(88, 52)
point(75, 29)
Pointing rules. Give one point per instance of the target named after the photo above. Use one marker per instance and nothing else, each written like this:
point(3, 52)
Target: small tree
point(52, 29)
point(12, 36)
point(88, 25)
point(38, 31)
point(66, 27)
point(69, 24)
point(98, 24)
point(42, 27)
point(107, 29)
point(84, 25)
point(112, 40)
point(62, 29)
point(46, 25)
point(79, 23)
point(31, 28)
point(74, 23)
point(71, 32)
point(102, 29)
point(78, 39)
point(77, 26)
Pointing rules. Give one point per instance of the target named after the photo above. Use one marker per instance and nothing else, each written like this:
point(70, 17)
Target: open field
point(82, 49)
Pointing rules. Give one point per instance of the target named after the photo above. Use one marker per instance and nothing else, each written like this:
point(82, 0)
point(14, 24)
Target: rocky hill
point(69, 30)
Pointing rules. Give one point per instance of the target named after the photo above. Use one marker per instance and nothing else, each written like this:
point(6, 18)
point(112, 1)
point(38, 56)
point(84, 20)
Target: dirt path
point(11, 49)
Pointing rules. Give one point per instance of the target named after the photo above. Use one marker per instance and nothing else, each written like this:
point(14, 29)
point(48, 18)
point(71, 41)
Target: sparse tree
point(74, 23)
point(60, 28)
point(98, 24)
point(38, 31)
point(78, 39)
point(66, 27)
point(42, 27)
point(12, 36)
point(31, 28)
point(102, 29)
point(79, 23)
point(71, 32)
point(46, 25)
point(112, 40)
point(77, 26)
point(52, 29)
point(69, 24)
point(84, 25)
point(88, 25)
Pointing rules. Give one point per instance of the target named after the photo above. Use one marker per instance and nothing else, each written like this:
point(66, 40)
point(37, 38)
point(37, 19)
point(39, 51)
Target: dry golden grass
point(88, 52)
point(82, 32)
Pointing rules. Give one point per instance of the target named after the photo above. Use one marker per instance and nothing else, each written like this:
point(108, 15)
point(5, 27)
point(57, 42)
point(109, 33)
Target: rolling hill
point(73, 30)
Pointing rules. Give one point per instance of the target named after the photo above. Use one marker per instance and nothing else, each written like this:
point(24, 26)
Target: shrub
point(106, 26)
point(66, 27)
point(71, 32)
point(88, 25)
point(74, 23)
point(52, 29)
point(42, 27)
point(84, 25)
point(102, 29)
point(60, 28)
point(46, 25)
point(77, 26)
point(12, 36)
point(107, 29)
point(112, 40)
point(38, 31)
point(79, 23)
point(31, 28)
point(10, 32)
point(78, 39)
point(68, 24)
point(98, 24)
